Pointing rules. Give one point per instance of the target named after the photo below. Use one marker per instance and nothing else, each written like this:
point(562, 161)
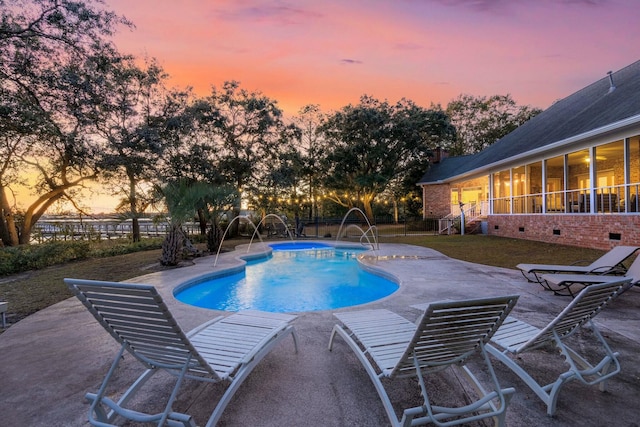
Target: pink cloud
point(331, 52)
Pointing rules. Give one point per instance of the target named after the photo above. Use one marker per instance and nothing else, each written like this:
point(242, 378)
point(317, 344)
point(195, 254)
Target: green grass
point(500, 251)
point(34, 290)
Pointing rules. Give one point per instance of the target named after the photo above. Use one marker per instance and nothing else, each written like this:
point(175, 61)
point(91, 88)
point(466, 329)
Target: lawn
point(37, 289)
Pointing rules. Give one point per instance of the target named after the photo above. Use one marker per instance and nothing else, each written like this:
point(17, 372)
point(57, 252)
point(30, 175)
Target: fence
point(323, 227)
point(58, 229)
point(103, 229)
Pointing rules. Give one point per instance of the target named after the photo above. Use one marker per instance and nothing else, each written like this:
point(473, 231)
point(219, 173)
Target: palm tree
point(182, 200)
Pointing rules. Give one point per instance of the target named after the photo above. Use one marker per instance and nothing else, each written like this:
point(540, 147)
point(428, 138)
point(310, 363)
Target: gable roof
point(590, 108)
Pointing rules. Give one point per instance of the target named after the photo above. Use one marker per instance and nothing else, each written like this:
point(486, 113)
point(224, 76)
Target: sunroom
point(595, 179)
point(571, 174)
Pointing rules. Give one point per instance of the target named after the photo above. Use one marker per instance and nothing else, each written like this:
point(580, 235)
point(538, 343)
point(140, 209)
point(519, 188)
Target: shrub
point(125, 247)
point(22, 258)
point(17, 259)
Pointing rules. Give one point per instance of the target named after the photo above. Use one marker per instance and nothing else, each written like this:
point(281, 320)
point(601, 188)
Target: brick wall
point(436, 200)
point(591, 231)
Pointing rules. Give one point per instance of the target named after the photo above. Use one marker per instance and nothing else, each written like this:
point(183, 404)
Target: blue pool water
point(297, 277)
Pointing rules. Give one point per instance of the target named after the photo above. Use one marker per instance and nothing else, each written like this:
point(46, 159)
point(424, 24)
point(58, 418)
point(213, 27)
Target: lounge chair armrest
point(608, 270)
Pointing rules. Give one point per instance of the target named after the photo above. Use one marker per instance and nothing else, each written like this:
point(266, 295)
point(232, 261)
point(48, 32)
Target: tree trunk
point(214, 237)
point(135, 228)
point(233, 230)
point(35, 212)
point(395, 211)
point(202, 221)
point(188, 248)
point(8, 231)
point(172, 246)
point(368, 210)
point(133, 206)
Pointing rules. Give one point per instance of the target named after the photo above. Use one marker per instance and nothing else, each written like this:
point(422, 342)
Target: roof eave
point(630, 121)
point(431, 182)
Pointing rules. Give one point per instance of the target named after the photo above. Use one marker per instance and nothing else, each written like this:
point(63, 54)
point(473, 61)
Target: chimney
point(612, 87)
point(439, 154)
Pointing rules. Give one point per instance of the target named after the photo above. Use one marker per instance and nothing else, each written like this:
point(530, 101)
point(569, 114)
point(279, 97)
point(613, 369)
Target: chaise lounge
point(446, 334)
point(609, 263)
point(516, 337)
point(562, 284)
point(225, 349)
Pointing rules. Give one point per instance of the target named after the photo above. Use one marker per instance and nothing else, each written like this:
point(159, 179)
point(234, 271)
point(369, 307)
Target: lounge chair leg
point(142, 379)
point(174, 392)
point(528, 278)
point(501, 419)
point(606, 368)
point(548, 394)
point(96, 407)
point(333, 334)
point(294, 336)
point(375, 378)
point(243, 372)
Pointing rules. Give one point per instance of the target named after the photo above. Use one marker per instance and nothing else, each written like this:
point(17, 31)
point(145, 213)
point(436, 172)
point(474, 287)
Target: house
point(570, 175)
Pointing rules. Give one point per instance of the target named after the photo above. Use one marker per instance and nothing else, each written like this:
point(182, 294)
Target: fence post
point(461, 219)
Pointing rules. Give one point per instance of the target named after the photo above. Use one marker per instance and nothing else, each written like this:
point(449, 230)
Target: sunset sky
point(330, 52)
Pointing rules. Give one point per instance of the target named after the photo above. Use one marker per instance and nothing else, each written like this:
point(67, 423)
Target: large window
point(633, 196)
point(554, 189)
point(502, 192)
point(473, 193)
point(609, 172)
point(518, 189)
point(601, 179)
point(578, 195)
point(533, 188)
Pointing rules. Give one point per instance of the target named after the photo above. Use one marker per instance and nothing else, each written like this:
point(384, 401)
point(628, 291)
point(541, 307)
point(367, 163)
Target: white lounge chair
point(611, 262)
point(446, 334)
point(562, 284)
point(224, 349)
point(516, 337)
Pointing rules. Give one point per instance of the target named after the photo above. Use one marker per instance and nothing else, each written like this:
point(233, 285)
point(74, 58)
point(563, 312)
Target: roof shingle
point(590, 108)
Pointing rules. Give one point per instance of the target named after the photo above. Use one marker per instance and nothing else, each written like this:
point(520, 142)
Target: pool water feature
point(298, 276)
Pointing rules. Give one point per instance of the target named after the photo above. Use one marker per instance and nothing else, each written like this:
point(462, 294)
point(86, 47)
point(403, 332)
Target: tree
point(181, 199)
point(217, 200)
point(136, 117)
point(194, 154)
point(279, 188)
point(43, 46)
point(312, 148)
point(423, 130)
point(374, 144)
point(250, 132)
point(481, 121)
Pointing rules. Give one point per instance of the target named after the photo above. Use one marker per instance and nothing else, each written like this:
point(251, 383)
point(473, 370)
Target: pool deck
point(51, 359)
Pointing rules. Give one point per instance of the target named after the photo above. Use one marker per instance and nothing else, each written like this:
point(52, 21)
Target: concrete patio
point(52, 358)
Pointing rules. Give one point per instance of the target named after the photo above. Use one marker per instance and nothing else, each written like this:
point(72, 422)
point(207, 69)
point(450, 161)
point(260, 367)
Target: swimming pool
point(295, 277)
